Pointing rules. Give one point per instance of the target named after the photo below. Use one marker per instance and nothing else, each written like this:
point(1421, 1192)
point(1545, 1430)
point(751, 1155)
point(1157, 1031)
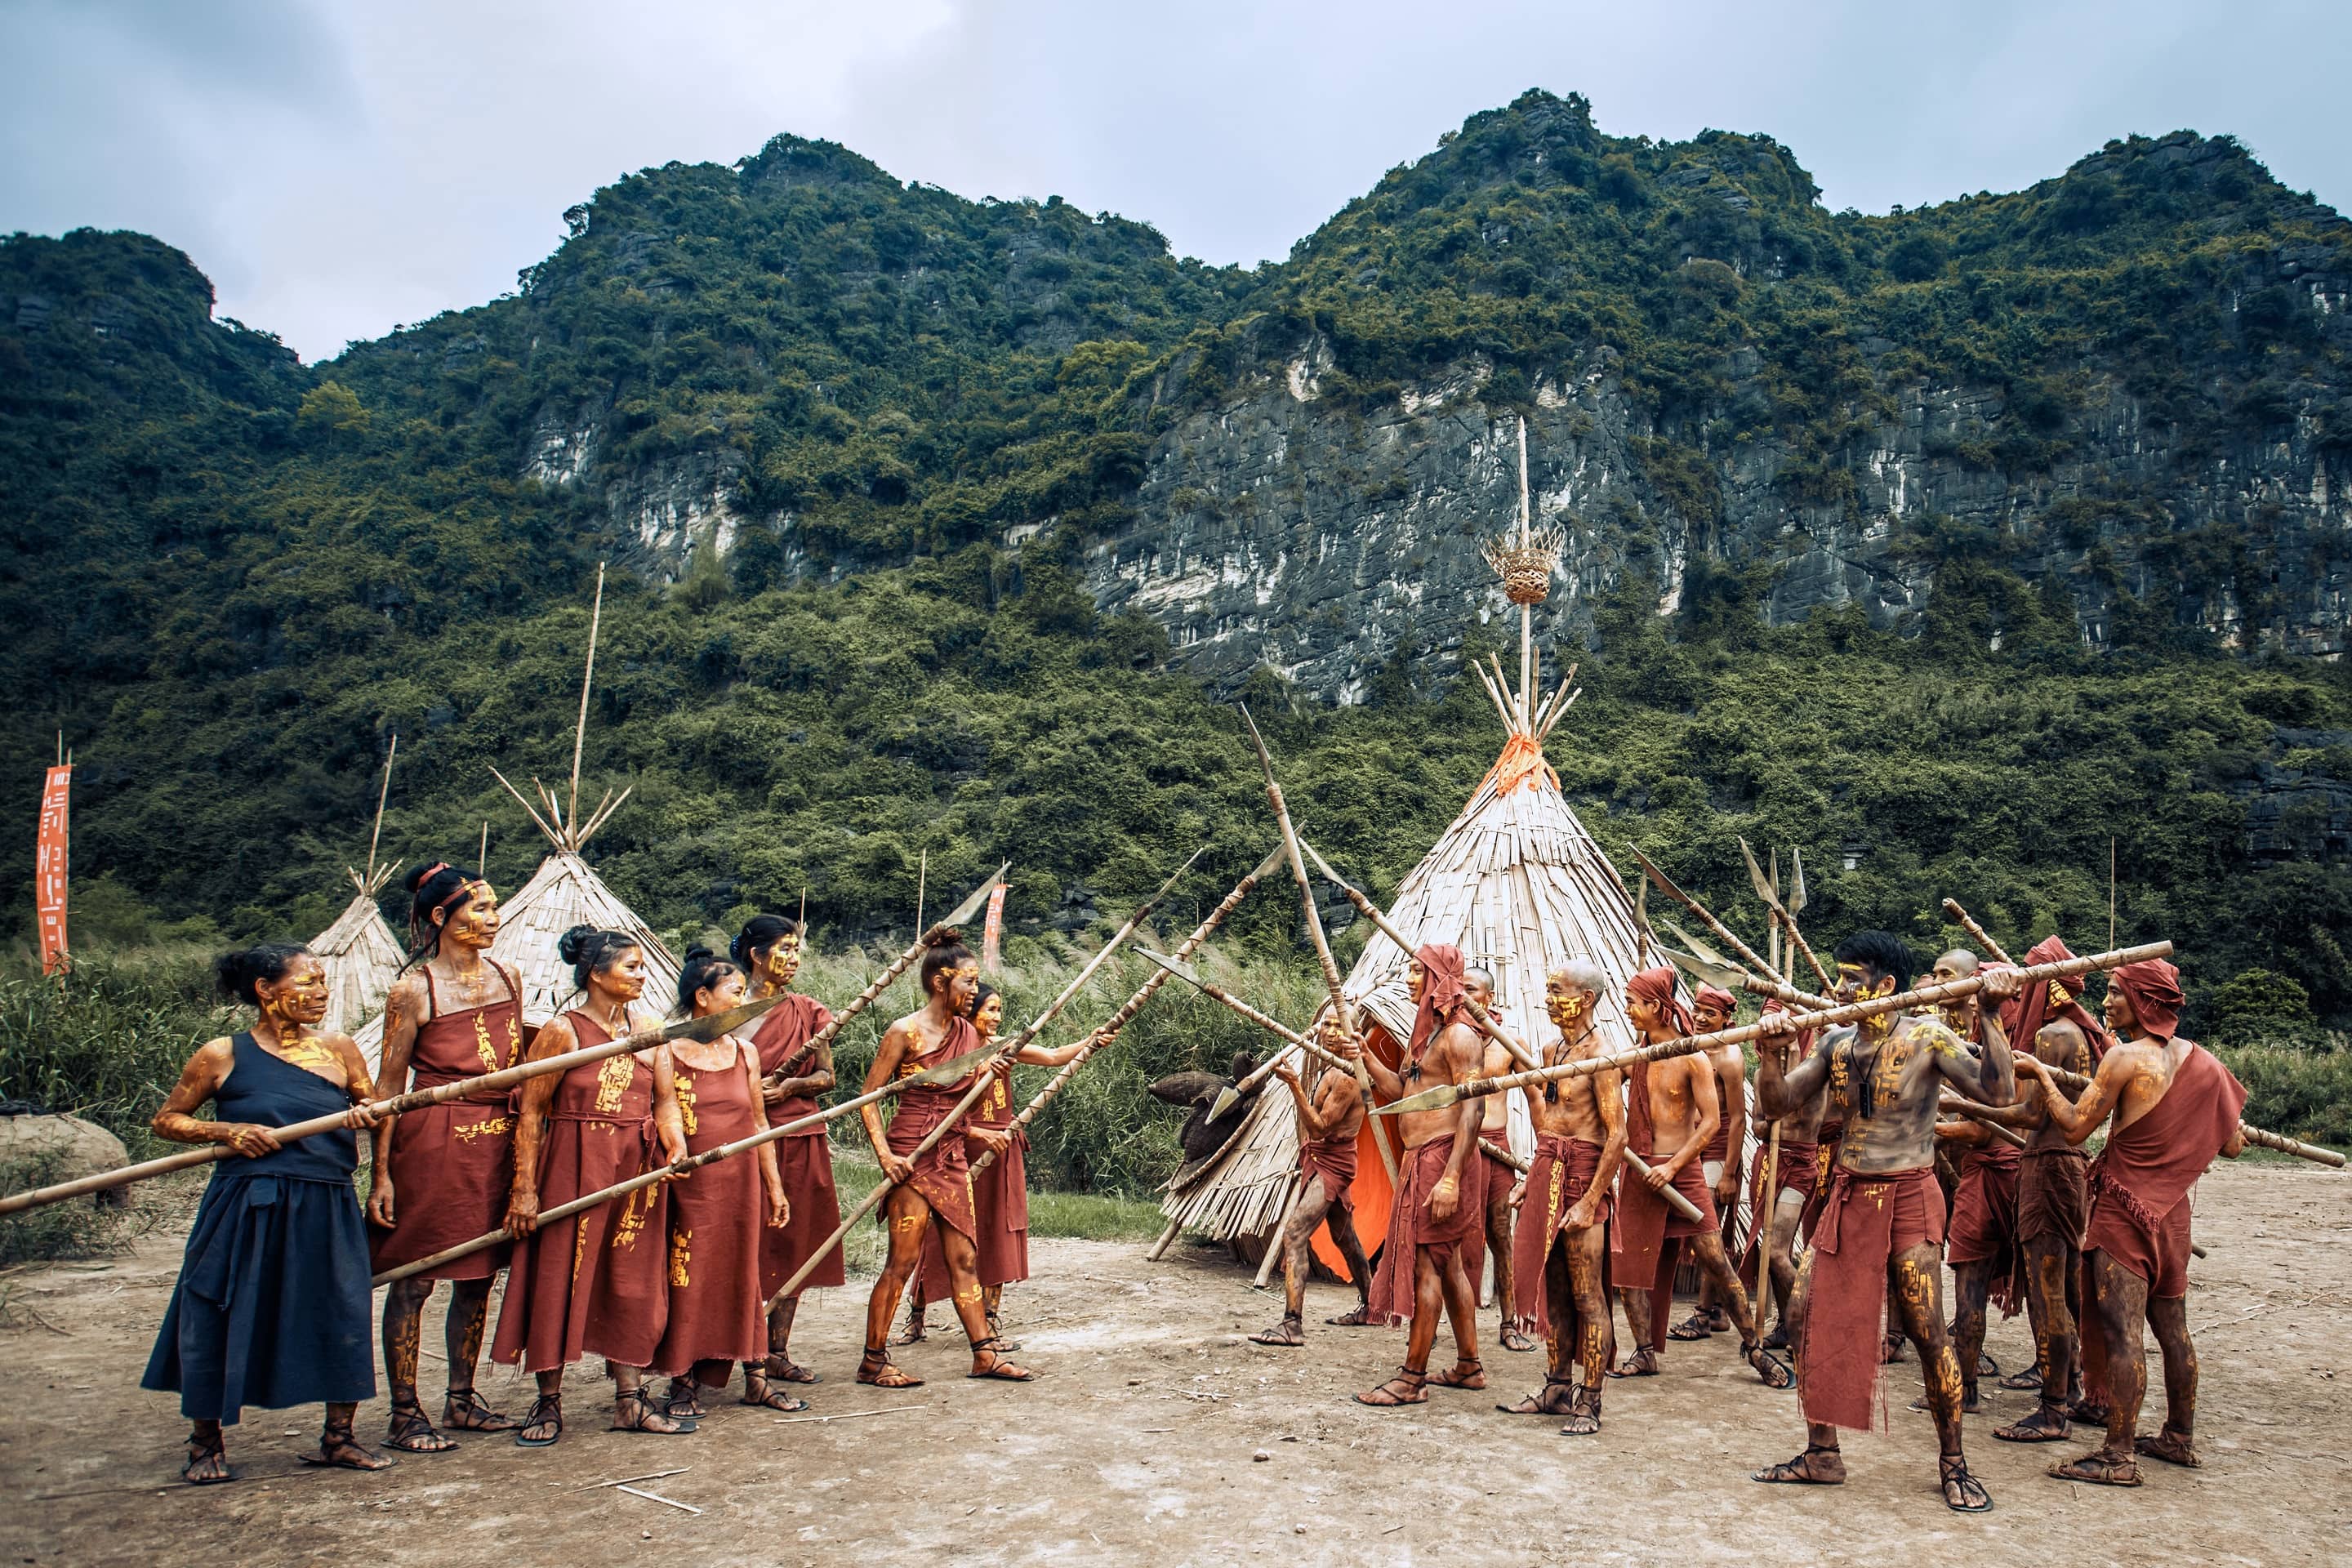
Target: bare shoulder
point(406, 997)
point(214, 1057)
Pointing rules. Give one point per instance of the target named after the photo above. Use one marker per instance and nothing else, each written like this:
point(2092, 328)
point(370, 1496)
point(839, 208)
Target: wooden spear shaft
point(1952, 908)
point(979, 1085)
point(1448, 1094)
point(685, 1166)
point(1748, 954)
point(392, 1105)
point(587, 679)
point(1331, 980)
point(1134, 1005)
point(383, 795)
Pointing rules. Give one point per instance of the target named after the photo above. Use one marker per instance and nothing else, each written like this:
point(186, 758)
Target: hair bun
point(574, 944)
point(699, 951)
point(946, 936)
point(417, 877)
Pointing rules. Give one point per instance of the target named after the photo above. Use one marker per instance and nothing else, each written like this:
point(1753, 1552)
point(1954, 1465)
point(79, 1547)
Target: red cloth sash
point(2148, 1168)
point(1331, 1161)
point(1412, 1228)
point(943, 1176)
point(1984, 1222)
point(1558, 1177)
point(1644, 1221)
point(1865, 1221)
point(2054, 1195)
point(452, 1165)
point(783, 1038)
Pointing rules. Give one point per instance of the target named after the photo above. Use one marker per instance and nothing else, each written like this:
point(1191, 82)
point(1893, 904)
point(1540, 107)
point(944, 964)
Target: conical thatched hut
point(360, 954)
point(1516, 882)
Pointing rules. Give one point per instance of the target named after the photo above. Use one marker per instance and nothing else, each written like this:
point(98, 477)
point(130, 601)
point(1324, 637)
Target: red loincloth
point(2145, 1173)
point(1644, 1221)
point(1984, 1222)
point(943, 1176)
point(452, 1165)
point(1331, 1161)
point(1795, 1172)
point(593, 1284)
point(1865, 1222)
point(716, 1214)
point(2054, 1195)
point(805, 1159)
point(1411, 1227)
point(1562, 1170)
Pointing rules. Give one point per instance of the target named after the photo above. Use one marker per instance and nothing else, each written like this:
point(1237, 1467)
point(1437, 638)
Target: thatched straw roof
point(362, 957)
point(561, 894)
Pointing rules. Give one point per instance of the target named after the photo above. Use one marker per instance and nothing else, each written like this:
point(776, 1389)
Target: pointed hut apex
point(361, 956)
point(371, 884)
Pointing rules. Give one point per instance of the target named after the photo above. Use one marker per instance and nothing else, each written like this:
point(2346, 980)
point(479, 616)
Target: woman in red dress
point(441, 1174)
point(714, 1214)
point(999, 1194)
point(593, 1284)
point(794, 1074)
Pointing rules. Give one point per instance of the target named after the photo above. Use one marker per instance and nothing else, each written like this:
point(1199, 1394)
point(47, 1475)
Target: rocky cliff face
point(1276, 529)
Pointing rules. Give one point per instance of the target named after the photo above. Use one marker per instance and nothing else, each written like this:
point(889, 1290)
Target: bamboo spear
point(1120, 1020)
point(376, 834)
point(1771, 897)
point(1952, 908)
point(979, 1086)
point(1748, 955)
point(394, 1105)
point(1445, 1094)
point(1314, 931)
point(587, 678)
point(946, 1072)
point(881, 982)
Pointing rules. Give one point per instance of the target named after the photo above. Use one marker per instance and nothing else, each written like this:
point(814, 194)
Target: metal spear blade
point(1700, 948)
point(1701, 970)
point(1436, 1099)
point(1764, 888)
point(1796, 882)
point(970, 906)
point(719, 1024)
point(951, 1071)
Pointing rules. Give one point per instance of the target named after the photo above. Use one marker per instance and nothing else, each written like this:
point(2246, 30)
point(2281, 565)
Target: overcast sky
point(337, 168)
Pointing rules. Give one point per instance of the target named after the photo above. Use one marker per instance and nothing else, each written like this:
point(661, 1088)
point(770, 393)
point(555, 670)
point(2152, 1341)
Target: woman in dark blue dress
point(271, 1307)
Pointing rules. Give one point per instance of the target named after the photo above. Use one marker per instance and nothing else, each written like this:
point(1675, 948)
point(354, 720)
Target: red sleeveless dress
point(452, 1164)
point(943, 1176)
point(1000, 1202)
point(593, 1284)
point(716, 1216)
point(804, 1160)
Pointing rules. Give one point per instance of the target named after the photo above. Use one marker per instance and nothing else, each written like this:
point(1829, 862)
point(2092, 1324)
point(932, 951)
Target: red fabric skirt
point(1331, 1161)
point(2054, 1195)
point(452, 1169)
point(806, 1165)
point(1558, 1177)
point(1865, 1221)
point(1984, 1225)
point(1411, 1227)
point(1645, 1222)
point(943, 1176)
point(1000, 1206)
point(2154, 1248)
point(593, 1284)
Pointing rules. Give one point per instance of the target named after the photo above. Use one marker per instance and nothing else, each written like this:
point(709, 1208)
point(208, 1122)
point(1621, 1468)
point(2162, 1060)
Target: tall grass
point(2296, 1086)
point(107, 1041)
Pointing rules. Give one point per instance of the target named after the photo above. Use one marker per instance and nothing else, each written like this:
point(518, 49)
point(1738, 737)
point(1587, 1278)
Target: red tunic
point(1412, 1228)
point(452, 1164)
point(999, 1194)
point(804, 1160)
point(1332, 1161)
point(1556, 1179)
point(715, 1219)
point(592, 1285)
point(2139, 1183)
point(942, 1175)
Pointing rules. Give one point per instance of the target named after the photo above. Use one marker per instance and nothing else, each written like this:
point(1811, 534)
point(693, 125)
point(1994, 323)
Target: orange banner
point(49, 870)
point(993, 933)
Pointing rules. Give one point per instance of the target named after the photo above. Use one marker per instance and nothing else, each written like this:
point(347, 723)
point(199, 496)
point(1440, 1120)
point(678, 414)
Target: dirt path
point(1143, 1443)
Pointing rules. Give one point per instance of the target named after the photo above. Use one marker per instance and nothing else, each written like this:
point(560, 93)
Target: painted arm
point(199, 1081)
point(403, 1011)
point(1387, 1084)
point(531, 1127)
point(1779, 1094)
point(1466, 1053)
point(1054, 1055)
point(1731, 1085)
point(818, 1080)
point(2079, 1119)
point(669, 1122)
point(887, 1057)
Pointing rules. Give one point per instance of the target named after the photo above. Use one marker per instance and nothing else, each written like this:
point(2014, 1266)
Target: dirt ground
point(1158, 1434)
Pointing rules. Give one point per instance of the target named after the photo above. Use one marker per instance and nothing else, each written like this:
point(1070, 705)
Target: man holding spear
point(1882, 1219)
point(1436, 1223)
point(1329, 1117)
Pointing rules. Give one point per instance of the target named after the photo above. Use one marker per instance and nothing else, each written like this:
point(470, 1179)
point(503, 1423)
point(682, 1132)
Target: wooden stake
point(383, 795)
point(2111, 890)
point(482, 858)
point(587, 678)
point(1952, 908)
point(922, 876)
point(1527, 612)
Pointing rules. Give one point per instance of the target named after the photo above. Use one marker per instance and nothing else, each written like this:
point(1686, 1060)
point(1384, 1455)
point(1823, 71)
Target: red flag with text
point(993, 932)
point(49, 870)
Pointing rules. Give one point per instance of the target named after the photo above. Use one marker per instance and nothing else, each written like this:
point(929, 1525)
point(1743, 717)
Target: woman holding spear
point(443, 1173)
point(936, 1191)
point(591, 1284)
point(715, 1213)
point(271, 1306)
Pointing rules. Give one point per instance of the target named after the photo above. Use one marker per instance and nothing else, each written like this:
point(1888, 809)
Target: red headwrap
point(1441, 993)
point(2153, 988)
point(1656, 986)
point(2023, 1015)
point(1716, 996)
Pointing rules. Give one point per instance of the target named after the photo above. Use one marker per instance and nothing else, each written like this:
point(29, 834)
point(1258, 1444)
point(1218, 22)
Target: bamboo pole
point(394, 1105)
point(946, 1072)
point(587, 678)
point(383, 795)
point(1527, 612)
point(1314, 932)
point(979, 1085)
point(1446, 1094)
point(1120, 1020)
point(1984, 936)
